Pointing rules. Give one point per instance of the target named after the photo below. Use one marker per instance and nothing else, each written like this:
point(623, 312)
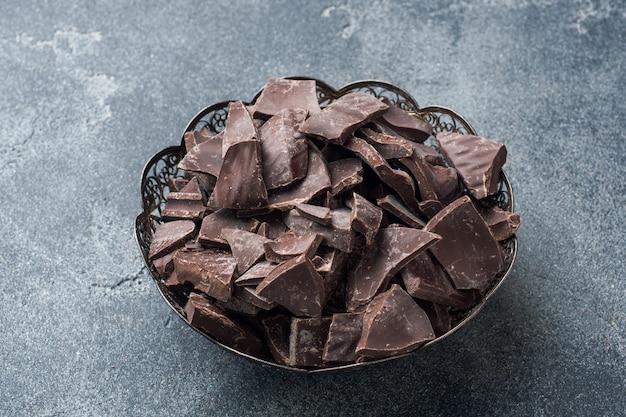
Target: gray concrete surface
point(90, 90)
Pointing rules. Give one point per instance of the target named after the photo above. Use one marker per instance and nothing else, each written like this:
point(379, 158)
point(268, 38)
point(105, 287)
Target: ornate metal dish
point(163, 166)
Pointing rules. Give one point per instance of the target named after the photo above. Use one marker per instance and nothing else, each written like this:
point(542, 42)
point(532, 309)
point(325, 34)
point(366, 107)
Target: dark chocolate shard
point(290, 245)
point(338, 235)
point(343, 336)
point(393, 248)
point(213, 223)
point(188, 203)
point(331, 264)
point(275, 225)
point(315, 183)
point(389, 147)
point(240, 182)
point(196, 137)
point(478, 161)
point(318, 214)
point(239, 127)
point(468, 251)
point(425, 279)
point(438, 315)
point(205, 157)
point(337, 121)
point(345, 174)
point(264, 229)
point(210, 271)
point(398, 180)
point(395, 206)
point(295, 285)
point(393, 324)
point(277, 330)
point(256, 273)
point(365, 217)
point(248, 294)
point(409, 125)
point(284, 151)
point(169, 236)
point(238, 305)
point(176, 183)
point(247, 247)
point(306, 341)
point(164, 264)
point(428, 153)
point(502, 224)
point(222, 327)
point(281, 93)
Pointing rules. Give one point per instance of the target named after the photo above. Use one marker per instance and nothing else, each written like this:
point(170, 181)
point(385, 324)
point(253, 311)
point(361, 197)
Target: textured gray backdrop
point(90, 90)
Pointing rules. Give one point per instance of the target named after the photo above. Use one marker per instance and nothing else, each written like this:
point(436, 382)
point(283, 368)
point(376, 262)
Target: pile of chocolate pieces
point(316, 237)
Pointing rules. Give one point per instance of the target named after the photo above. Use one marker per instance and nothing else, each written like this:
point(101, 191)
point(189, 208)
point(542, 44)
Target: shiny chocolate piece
point(339, 234)
point(306, 341)
point(315, 183)
point(337, 121)
point(393, 324)
point(221, 326)
point(211, 271)
point(280, 93)
point(365, 217)
point(248, 294)
point(393, 248)
point(284, 151)
point(290, 245)
point(343, 336)
point(256, 273)
point(240, 182)
point(331, 264)
point(389, 147)
point(438, 315)
point(345, 174)
point(239, 127)
point(295, 285)
point(213, 224)
point(318, 214)
point(502, 224)
point(425, 279)
point(196, 137)
point(478, 161)
point(410, 126)
point(169, 236)
point(392, 204)
point(277, 330)
point(246, 247)
point(468, 251)
point(188, 203)
point(398, 180)
point(205, 157)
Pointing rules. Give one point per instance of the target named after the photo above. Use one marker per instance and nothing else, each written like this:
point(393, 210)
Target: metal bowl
point(163, 166)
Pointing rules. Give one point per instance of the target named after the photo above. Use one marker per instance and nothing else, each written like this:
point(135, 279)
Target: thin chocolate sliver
point(365, 217)
point(389, 147)
point(395, 206)
point(169, 236)
point(337, 121)
point(410, 126)
point(281, 93)
point(222, 327)
point(318, 214)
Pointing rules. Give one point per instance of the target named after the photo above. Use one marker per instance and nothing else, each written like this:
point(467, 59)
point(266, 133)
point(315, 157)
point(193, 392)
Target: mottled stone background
point(89, 90)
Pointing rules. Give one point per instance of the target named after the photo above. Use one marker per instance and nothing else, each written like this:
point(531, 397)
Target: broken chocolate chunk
point(290, 245)
point(196, 137)
point(188, 203)
point(343, 336)
point(204, 157)
point(410, 126)
point(338, 235)
point(344, 174)
point(222, 327)
point(306, 341)
point(213, 224)
point(284, 151)
point(277, 330)
point(281, 93)
point(240, 182)
point(256, 273)
point(502, 224)
point(478, 161)
point(239, 127)
point(468, 251)
point(295, 285)
point(389, 147)
point(169, 236)
point(337, 121)
point(246, 247)
point(393, 324)
point(210, 271)
point(318, 214)
point(393, 248)
point(424, 278)
point(365, 217)
point(395, 206)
